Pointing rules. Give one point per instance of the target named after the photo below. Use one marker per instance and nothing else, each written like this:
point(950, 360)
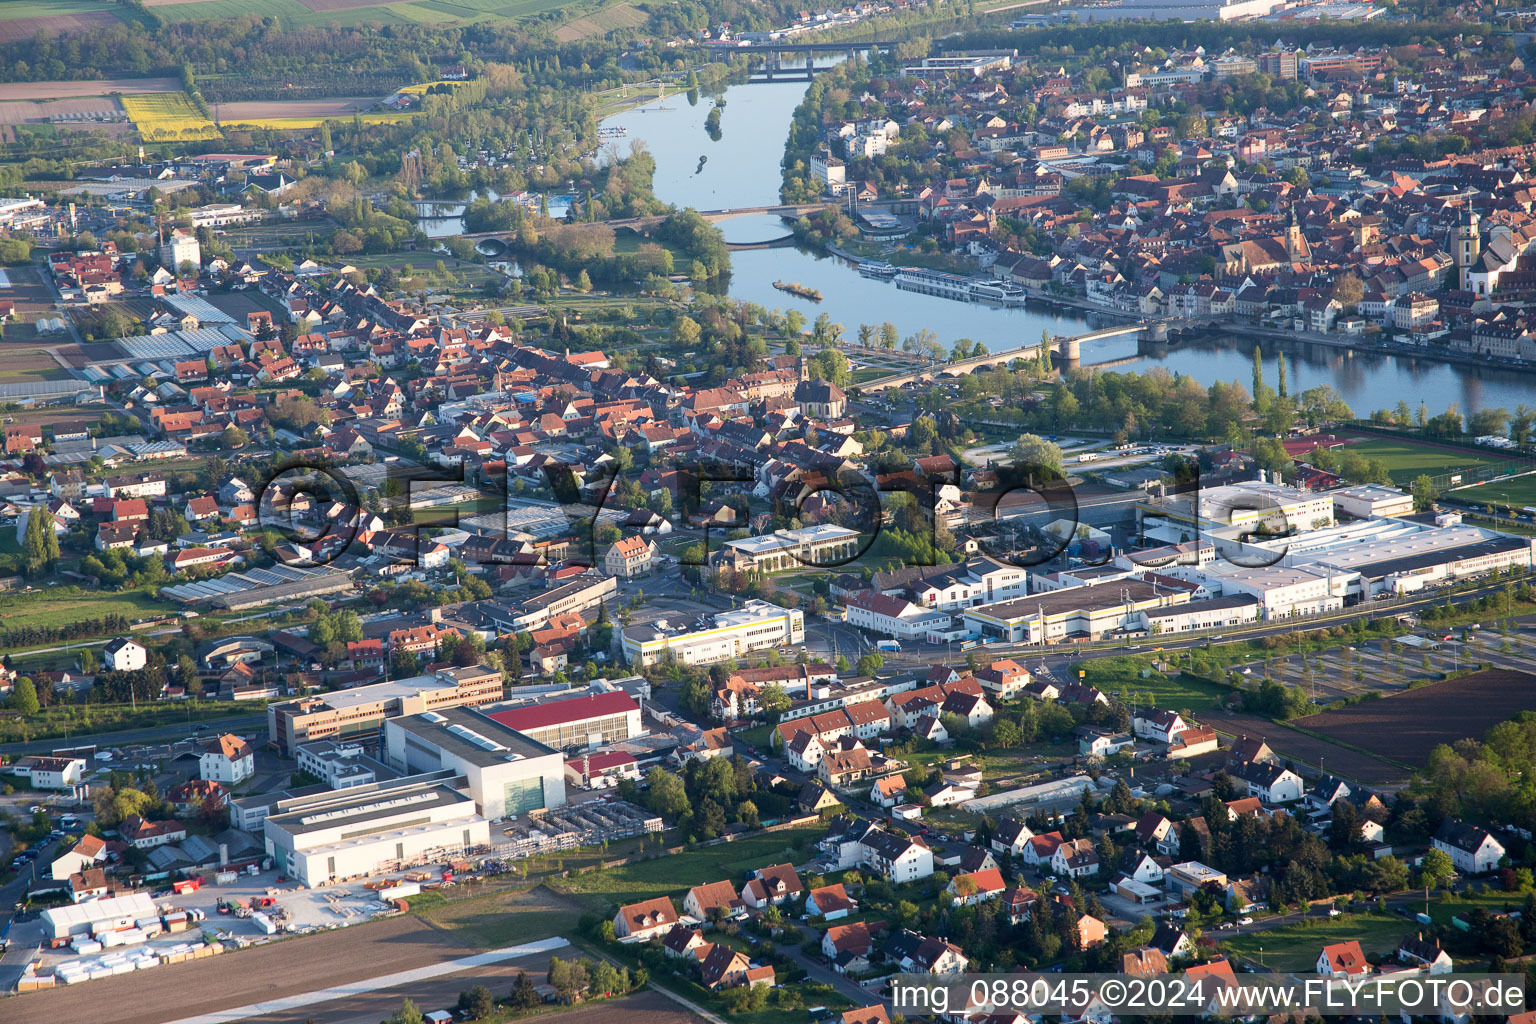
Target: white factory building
point(1322, 570)
point(95, 916)
point(1231, 511)
point(755, 626)
point(384, 826)
point(505, 772)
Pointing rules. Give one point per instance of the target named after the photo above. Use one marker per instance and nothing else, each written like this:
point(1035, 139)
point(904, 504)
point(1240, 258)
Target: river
point(742, 169)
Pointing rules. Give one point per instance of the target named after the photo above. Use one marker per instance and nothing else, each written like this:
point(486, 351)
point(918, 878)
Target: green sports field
point(1406, 459)
point(1517, 491)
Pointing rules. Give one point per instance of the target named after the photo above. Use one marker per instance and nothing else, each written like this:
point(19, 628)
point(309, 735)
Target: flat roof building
point(1232, 511)
point(385, 826)
point(824, 545)
point(755, 626)
point(348, 713)
point(341, 765)
point(1074, 612)
point(577, 723)
point(1366, 500)
point(506, 772)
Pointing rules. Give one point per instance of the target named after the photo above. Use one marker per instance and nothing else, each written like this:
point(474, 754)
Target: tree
point(1424, 493)
point(869, 664)
point(40, 544)
point(685, 331)
point(234, 437)
point(477, 1002)
point(408, 1012)
point(1436, 869)
point(24, 696)
point(666, 794)
point(831, 365)
point(773, 699)
point(1032, 450)
point(525, 995)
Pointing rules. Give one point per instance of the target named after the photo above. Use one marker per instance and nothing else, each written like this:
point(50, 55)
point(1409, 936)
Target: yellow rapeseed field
point(168, 116)
point(282, 123)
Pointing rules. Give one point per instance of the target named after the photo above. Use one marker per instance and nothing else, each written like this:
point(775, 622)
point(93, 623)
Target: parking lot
point(1390, 665)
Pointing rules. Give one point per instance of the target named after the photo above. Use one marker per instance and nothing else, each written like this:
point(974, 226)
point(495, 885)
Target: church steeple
point(1295, 241)
point(1467, 243)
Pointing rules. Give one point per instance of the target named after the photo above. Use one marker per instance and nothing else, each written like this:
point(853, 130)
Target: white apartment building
point(755, 626)
point(50, 772)
point(973, 582)
point(892, 616)
point(228, 759)
point(180, 248)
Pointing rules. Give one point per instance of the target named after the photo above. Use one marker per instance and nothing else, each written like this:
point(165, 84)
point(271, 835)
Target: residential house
point(638, 922)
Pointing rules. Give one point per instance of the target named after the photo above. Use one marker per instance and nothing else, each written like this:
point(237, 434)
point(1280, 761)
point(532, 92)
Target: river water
point(742, 169)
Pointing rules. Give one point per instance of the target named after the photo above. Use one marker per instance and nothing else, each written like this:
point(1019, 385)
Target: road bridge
point(787, 210)
point(1068, 350)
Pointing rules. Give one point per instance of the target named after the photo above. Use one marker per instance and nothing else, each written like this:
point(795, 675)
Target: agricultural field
point(1407, 726)
point(1406, 459)
point(23, 19)
point(356, 12)
point(622, 15)
point(21, 363)
point(168, 116)
point(1305, 748)
point(35, 91)
point(102, 109)
point(301, 114)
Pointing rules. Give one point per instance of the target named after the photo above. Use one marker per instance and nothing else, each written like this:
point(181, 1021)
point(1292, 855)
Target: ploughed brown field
point(1289, 743)
point(78, 87)
point(303, 964)
point(257, 110)
point(14, 29)
point(1407, 726)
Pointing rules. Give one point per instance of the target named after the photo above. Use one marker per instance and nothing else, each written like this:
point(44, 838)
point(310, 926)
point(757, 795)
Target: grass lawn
point(673, 875)
point(505, 918)
point(1518, 491)
point(49, 607)
point(1295, 947)
point(760, 736)
point(1178, 692)
point(1406, 459)
point(1443, 908)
